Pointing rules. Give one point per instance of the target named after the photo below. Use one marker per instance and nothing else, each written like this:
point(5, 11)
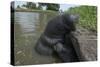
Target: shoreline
point(29, 10)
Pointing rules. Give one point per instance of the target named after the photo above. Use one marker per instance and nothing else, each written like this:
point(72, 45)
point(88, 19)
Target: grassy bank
point(40, 11)
point(88, 16)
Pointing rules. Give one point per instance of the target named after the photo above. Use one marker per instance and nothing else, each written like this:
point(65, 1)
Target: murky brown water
point(28, 26)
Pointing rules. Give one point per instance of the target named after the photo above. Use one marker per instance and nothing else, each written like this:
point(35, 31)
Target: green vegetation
point(30, 5)
point(18, 6)
point(88, 16)
point(49, 6)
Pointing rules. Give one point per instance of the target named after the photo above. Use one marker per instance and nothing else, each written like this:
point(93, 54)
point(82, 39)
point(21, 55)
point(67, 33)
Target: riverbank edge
point(41, 11)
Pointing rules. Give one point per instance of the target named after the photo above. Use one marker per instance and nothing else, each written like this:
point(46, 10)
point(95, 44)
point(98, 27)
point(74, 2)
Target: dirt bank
point(88, 43)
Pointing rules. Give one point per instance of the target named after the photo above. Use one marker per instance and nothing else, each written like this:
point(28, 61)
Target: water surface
point(28, 27)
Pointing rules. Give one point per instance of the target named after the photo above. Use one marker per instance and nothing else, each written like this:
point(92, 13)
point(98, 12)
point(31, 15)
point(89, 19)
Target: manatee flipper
point(42, 49)
point(64, 53)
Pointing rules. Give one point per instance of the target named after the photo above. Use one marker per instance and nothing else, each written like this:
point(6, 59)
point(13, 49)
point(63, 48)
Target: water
point(28, 27)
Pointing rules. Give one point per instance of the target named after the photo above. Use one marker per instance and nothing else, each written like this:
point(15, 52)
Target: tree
point(50, 6)
point(18, 6)
point(23, 5)
point(29, 5)
point(41, 5)
point(54, 7)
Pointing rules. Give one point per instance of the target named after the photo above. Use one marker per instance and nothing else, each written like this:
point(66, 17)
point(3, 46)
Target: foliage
point(49, 6)
point(53, 7)
point(18, 6)
point(88, 16)
point(29, 5)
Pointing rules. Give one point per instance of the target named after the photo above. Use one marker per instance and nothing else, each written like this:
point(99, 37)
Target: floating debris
point(19, 52)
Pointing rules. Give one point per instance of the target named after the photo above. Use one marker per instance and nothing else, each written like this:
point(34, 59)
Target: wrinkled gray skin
point(56, 38)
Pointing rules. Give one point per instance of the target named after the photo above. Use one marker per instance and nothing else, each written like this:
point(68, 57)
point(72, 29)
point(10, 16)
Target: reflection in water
point(26, 21)
point(28, 27)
